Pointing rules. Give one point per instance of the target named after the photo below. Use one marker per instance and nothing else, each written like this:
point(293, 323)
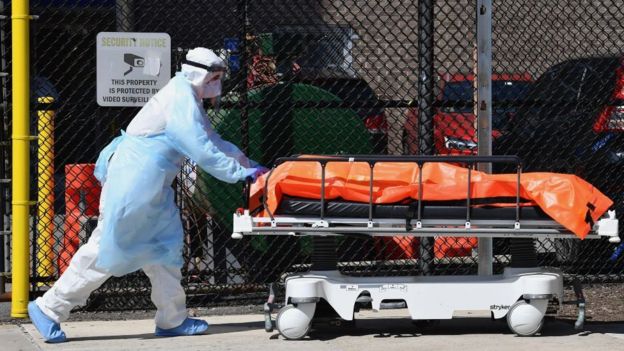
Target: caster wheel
point(526, 319)
point(292, 323)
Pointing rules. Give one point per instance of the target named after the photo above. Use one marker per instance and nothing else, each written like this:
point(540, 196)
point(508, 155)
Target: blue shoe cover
point(49, 330)
point(190, 326)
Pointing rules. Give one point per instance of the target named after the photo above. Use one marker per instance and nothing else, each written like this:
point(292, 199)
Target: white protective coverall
point(139, 225)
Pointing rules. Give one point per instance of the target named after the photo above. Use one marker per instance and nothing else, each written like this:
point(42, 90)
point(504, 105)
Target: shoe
point(49, 330)
point(190, 326)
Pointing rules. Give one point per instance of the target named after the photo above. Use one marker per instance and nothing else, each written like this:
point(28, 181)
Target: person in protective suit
point(139, 226)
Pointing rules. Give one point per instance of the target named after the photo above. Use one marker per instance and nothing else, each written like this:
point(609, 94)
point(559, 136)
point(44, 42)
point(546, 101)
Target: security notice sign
point(131, 67)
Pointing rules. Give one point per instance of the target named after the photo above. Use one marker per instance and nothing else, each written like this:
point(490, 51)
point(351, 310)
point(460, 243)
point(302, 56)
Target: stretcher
point(422, 196)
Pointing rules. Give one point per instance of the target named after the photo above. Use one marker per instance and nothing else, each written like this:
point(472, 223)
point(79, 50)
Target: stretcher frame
point(522, 295)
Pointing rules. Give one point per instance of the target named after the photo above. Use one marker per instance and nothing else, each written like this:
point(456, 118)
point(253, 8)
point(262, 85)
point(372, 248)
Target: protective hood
point(204, 69)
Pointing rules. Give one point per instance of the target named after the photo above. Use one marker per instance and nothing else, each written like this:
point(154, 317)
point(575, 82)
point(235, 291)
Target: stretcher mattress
point(292, 206)
point(295, 188)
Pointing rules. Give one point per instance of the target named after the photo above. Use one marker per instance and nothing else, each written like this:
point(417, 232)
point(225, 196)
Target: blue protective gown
point(141, 222)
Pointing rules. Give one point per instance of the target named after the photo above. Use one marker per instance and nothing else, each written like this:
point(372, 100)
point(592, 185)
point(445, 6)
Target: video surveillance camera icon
point(134, 61)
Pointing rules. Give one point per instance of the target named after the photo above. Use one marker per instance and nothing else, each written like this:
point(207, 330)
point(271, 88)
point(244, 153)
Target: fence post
point(245, 59)
point(21, 157)
point(484, 111)
point(45, 186)
point(425, 106)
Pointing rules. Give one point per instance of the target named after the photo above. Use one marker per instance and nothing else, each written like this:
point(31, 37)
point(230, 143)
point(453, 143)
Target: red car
point(454, 119)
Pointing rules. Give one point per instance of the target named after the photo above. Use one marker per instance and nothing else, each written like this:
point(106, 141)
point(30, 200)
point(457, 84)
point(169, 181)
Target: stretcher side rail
point(372, 160)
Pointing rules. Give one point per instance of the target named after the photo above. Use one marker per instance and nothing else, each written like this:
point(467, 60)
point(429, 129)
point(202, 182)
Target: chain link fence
point(326, 77)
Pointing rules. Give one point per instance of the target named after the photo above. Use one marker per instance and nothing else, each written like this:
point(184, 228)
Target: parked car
point(573, 122)
point(454, 119)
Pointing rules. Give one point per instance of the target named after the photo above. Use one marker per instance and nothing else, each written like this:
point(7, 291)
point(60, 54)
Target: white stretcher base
point(520, 294)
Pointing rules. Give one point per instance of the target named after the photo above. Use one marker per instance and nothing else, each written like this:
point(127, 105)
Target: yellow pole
point(21, 160)
point(45, 186)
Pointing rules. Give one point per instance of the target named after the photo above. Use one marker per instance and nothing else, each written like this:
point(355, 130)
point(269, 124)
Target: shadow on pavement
point(224, 328)
point(401, 328)
point(616, 327)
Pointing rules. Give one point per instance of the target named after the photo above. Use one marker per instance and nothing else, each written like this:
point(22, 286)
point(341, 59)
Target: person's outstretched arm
point(187, 128)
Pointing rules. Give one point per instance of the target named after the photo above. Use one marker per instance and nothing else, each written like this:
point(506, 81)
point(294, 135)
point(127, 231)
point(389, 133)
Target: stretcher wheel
point(293, 323)
point(526, 319)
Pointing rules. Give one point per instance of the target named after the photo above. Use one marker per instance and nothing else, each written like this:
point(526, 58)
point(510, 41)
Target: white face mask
point(212, 89)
